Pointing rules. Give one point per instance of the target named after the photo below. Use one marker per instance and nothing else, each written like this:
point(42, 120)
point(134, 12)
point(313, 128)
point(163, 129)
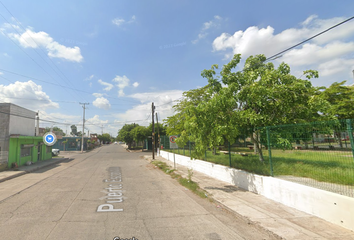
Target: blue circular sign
point(49, 139)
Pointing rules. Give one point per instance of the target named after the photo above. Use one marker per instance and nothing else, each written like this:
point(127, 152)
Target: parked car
point(55, 152)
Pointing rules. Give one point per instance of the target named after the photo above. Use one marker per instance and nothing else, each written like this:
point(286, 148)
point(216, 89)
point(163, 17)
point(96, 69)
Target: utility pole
point(83, 126)
point(37, 127)
point(153, 130)
point(158, 133)
point(102, 129)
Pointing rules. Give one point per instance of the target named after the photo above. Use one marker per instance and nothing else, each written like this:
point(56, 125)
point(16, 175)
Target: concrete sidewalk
point(286, 222)
point(9, 174)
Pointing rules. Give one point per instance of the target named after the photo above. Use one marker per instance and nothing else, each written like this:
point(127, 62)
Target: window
point(25, 152)
point(48, 149)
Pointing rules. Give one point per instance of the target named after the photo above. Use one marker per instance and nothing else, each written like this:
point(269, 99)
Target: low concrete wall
point(329, 206)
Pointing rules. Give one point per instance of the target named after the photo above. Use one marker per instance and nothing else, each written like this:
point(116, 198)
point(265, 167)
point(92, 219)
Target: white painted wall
point(329, 206)
point(21, 125)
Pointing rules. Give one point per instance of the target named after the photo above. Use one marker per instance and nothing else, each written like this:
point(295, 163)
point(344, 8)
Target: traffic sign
point(173, 138)
point(49, 139)
point(173, 143)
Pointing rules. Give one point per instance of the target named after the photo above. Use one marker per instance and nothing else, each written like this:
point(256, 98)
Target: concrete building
point(18, 143)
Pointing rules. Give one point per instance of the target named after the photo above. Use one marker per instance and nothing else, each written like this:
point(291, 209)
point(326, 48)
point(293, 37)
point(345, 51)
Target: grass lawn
point(326, 166)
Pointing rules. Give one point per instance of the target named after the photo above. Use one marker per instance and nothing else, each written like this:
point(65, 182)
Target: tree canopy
point(55, 129)
point(104, 138)
point(240, 102)
point(341, 99)
point(140, 133)
point(74, 130)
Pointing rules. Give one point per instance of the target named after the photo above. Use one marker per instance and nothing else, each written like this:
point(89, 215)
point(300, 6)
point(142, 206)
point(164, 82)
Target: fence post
point(229, 155)
point(350, 132)
point(269, 152)
point(190, 150)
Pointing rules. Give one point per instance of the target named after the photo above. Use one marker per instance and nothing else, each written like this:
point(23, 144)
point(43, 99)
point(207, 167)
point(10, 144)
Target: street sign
point(173, 143)
point(49, 139)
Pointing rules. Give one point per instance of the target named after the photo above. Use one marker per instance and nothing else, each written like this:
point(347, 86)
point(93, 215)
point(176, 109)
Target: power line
point(55, 84)
point(68, 82)
point(318, 34)
point(27, 53)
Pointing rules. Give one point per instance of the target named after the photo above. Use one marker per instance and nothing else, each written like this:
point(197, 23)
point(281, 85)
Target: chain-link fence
point(319, 154)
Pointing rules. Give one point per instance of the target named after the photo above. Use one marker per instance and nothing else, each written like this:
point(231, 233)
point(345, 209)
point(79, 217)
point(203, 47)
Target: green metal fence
point(318, 154)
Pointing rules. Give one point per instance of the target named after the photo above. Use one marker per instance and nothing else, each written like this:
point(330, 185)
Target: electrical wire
point(318, 34)
point(68, 81)
point(55, 84)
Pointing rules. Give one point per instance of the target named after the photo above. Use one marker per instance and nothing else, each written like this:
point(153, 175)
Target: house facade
point(18, 143)
point(70, 144)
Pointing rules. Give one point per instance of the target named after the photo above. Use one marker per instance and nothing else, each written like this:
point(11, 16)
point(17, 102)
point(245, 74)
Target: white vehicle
point(55, 152)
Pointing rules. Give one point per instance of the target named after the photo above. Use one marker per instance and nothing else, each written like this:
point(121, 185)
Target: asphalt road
point(110, 193)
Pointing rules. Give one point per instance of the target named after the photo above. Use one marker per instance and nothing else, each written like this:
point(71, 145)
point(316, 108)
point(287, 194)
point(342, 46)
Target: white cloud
point(31, 39)
point(136, 84)
point(97, 95)
point(122, 82)
point(309, 20)
point(26, 94)
point(102, 103)
point(59, 117)
point(121, 21)
point(310, 53)
point(94, 125)
point(89, 78)
point(336, 66)
point(162, 100)
point(108, 87)
point(96, 120)
point(206, 26)
point(256, 41)
point(330, 49)
point(63, 121)
point(118, 21)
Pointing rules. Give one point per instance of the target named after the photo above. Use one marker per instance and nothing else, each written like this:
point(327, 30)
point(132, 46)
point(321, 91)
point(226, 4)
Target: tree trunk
point(257, 149)
point(214, 151)
point(339, 139)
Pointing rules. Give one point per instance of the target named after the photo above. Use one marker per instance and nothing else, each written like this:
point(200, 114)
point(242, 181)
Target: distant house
point(70, 143)
point(41, 132)
point(18, 143)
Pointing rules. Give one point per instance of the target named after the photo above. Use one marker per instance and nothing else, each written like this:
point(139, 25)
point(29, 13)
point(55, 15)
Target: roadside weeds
point(186, 182)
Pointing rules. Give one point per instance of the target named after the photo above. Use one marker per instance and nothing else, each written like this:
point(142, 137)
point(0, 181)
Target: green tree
point(341, 99)
point(175, 125)
point(260, 95)
point(140, 133)
point(104, 138)
point(74, 130)
point(55, 129)
point(125, 133)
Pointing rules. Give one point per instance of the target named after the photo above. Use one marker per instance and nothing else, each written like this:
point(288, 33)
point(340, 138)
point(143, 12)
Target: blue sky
point(119, 56)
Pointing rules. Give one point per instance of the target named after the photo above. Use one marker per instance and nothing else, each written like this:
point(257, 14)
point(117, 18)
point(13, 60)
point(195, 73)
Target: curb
point(23, 172)
point(13, 176)
point(46, 165)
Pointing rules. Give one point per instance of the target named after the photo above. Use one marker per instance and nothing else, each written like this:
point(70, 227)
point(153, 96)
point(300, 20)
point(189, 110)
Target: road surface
point(110, 193)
